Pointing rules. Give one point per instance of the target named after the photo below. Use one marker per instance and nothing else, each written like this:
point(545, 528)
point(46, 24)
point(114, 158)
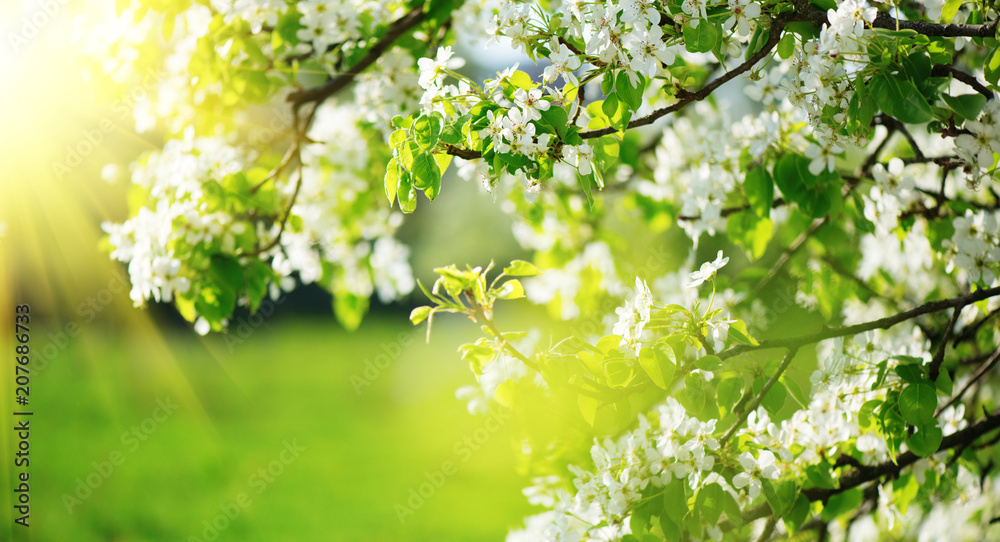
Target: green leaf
point(610, 105)
point(425, 171)
point(420, 314)
point(702, 38)
point(521, 80)
point(795, 391)
point(675, 505)
point(732, 509)
point(618, 373)
point(630, 95)
point(557, 119)
point(729, 392)
point(215, 302)
point(426, 130)
point(950, 9)
point(521, 268)
point(966, 106)
point(944, 384)
point(407, 194)
point(476, 355)
point(757, 40)
point(926, 440)
point(917, 403)
point(451, 135)
point(391, 180)
point(759, 188)
point(910, 373)
point(759, 238)
point(511, 289)
point(227, 272)
point(692, 397)
point(256, 275)
point(349, 309)
point(608, 343)
point(775, 397)
point(917, 65)
point(819, 475)
point(790, 174)
point(773, 499)
point(899, 97)
point(786, 46)
point(586, 184)
point(797, 514)
point(841, 503)
point(708, 363)
point(506, 393)
point(991, 70)
point(659, 363)
point(865, 414)
point(738, 331)
point(709, 502)
point(608, 83)
point(638, 523)
point(671, 529)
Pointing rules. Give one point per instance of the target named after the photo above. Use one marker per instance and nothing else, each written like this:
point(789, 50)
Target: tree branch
point(790, 251)
point(895, 126)
point(760, 396)
point(970, 331)
point(941, 70)
point(804, 12)
point(983, 369)
point(881, 323)
point(396, 29)
point(856, 477)
point(687, 97)
point(935, 367)
point(888, 22)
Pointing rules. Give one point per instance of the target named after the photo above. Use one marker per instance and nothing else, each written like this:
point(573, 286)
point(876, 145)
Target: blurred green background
point(109, 463)
point(193, 427)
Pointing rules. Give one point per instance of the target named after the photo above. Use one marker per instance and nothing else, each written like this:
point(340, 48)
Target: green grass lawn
point(289, 382)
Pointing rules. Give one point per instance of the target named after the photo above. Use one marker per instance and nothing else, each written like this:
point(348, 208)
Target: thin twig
point(760, 396)
point(935, 367)
point(881, 323)
point(983, 369)
point(788, 253)
point(396, 29)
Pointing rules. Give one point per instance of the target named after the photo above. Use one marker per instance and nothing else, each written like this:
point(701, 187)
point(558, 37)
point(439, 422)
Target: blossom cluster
point(200, 207)
point(670, 445)
point(155, 240)
point(976, 243)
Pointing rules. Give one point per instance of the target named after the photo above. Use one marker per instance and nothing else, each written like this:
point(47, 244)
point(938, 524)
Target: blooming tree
point(862, 179)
